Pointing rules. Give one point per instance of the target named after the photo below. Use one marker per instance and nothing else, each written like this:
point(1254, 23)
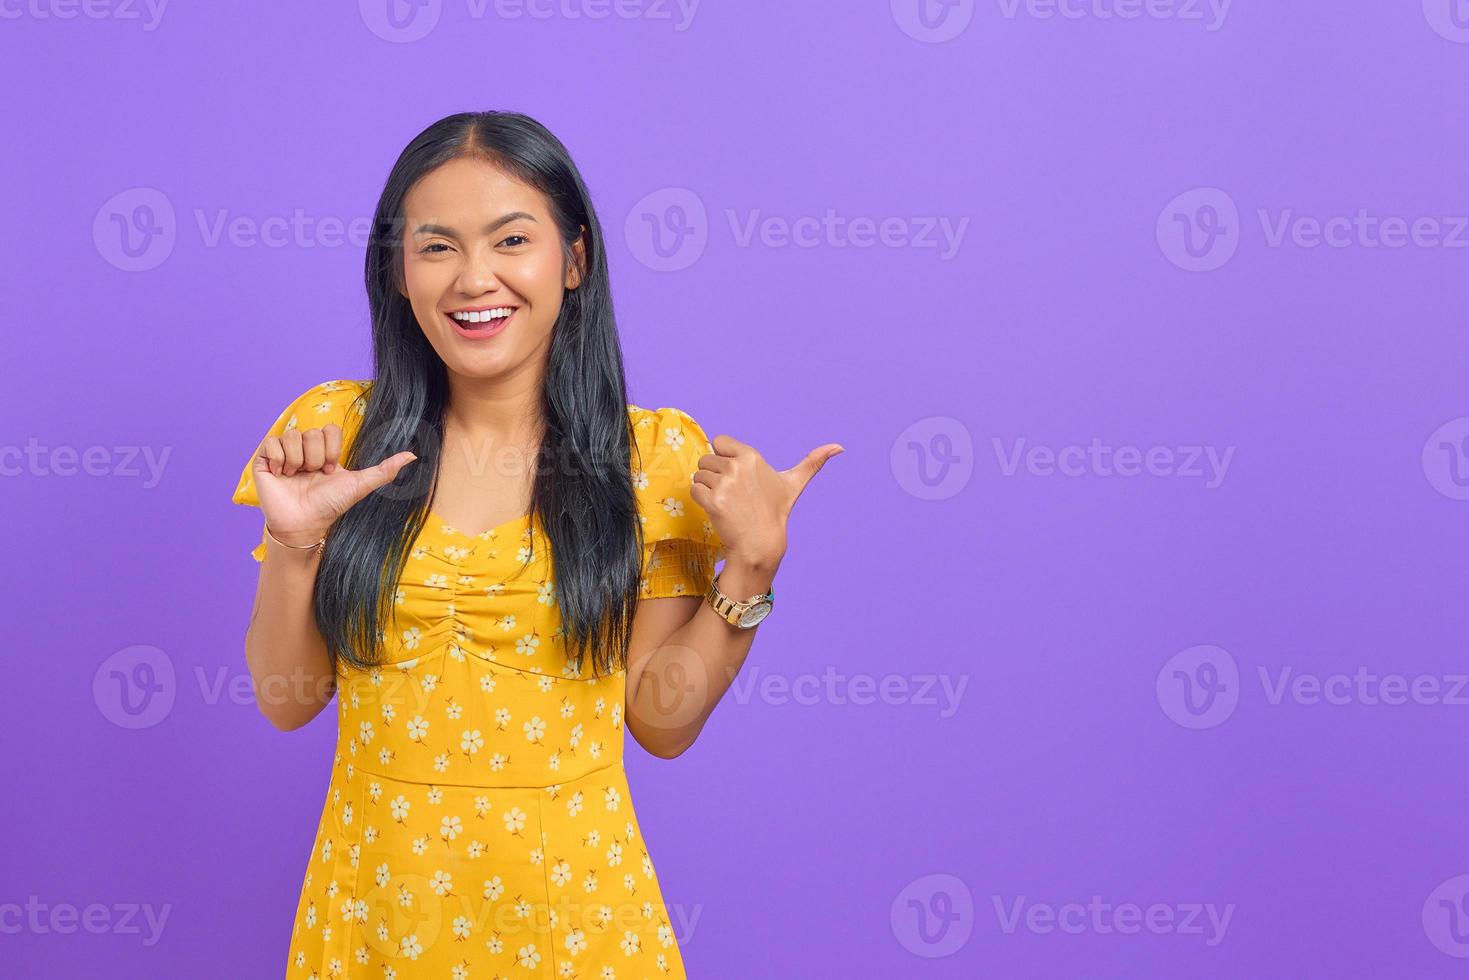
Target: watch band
point(733, 611)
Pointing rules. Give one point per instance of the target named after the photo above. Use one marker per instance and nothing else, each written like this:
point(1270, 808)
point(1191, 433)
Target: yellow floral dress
point(478, 822)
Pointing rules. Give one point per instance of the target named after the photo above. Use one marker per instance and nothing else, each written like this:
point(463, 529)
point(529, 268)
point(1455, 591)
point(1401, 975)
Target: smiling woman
point(478, 821)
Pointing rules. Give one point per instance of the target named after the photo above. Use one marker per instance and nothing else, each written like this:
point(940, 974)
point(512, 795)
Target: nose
point(478, 274)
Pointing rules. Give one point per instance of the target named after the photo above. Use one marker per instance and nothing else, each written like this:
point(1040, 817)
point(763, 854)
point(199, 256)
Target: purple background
point(797, 833)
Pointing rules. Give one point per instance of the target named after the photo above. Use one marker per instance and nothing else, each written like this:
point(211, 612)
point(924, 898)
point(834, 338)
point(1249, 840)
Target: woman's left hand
point(748, 501)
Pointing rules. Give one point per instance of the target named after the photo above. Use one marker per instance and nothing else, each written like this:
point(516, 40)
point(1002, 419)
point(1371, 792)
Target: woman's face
point(476, 239)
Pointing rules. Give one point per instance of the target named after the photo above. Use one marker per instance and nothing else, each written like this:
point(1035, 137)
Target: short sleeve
point(331, 401)
point(680, 545)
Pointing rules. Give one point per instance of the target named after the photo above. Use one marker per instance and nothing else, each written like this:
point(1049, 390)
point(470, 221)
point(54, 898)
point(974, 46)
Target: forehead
point(467, 189)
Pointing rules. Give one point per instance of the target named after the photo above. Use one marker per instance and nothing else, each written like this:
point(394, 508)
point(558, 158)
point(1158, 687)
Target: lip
point(494, 329)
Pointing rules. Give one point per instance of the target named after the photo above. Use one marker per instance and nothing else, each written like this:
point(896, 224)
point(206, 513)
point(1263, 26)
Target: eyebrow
point(504, 219)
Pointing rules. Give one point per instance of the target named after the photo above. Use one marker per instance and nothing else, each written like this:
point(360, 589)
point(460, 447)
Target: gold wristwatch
point(745, 615)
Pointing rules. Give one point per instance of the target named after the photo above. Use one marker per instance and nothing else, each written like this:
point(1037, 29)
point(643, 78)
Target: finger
point(333, 435)
point(382, 474)
point(274, 456)
point(715, 463)
point(291, 443)
point(802, 472)
point(313, 450)
point(728, 445)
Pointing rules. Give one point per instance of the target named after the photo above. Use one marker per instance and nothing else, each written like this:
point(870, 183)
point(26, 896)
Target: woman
point(488, 619)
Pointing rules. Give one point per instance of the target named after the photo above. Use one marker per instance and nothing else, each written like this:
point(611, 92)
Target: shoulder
point(337, 401)
point(667, 430)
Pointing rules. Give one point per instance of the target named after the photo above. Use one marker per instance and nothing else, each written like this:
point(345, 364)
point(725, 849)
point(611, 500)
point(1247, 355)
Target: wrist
point(300, 541)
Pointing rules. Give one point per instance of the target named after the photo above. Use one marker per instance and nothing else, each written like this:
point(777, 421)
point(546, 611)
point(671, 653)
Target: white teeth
point(482, 315)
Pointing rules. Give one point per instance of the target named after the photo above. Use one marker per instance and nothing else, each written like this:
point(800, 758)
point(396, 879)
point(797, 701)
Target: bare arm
point(302, 491)
point(288, 658)
point(683, 657)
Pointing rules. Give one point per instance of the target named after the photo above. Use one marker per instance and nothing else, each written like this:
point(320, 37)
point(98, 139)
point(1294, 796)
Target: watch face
point(754, 614)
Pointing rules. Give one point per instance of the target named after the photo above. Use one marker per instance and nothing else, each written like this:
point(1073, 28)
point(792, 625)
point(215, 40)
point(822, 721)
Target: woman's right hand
point(303, 489)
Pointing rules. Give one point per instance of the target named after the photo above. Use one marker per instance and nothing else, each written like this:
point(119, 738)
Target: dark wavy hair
point(582, 494)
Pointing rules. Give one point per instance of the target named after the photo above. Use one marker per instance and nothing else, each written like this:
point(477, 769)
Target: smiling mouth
point(477, 329)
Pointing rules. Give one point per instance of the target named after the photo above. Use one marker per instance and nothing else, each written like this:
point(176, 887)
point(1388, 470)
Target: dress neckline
point(439, 523)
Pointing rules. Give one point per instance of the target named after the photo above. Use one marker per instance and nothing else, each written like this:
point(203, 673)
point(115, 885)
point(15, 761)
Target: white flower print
point(502, 718)
point(665, 935)
point(399, 808)
point(546, 594)
point(630, 943)
point(411, 637)
point(560, 873)
point(573, 805)
point(614, 855)
point(527, 644)
point(527, 956)
point(515, 820)
point(534, 729)
point(450, 828)
point(453, 709)
point(545, 683)
point(497, 762)
point(481, 806)
point(507, 623)
point(441, 762)
point(410, 947)
point(487, 683)
point(417, 728)
point(471, 741)
point(437, 581)
point(365, 732)
point(389, 712)
point(442, 883)
point(576, 941)
point(382, 877)
point(494, 888)
point(429, 682)
point(435, 796)
point(461, 931)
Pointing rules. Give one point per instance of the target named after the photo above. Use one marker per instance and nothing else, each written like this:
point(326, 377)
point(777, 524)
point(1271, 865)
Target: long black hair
point(582, 494)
